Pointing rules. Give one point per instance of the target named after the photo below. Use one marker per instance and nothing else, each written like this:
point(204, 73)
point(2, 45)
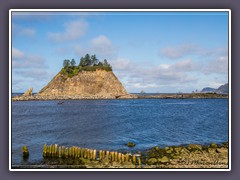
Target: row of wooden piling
point(56, 151)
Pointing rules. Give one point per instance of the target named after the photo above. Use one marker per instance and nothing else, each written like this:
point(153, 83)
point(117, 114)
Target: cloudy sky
point(151, 51)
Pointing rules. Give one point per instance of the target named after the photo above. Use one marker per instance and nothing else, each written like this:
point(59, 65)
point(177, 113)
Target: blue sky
point(151, 51)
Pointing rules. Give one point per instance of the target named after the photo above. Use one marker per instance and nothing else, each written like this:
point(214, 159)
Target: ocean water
point(110, 124)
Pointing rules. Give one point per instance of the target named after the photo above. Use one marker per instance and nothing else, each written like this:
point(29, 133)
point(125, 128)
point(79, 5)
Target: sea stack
point(85, 85)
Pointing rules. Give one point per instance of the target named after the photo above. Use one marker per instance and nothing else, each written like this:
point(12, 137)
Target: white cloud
point(28, 70)
point(73, 30)
point(102, 45)
point(120, 63)
point(16, 53)
point(153, 78)
point(184, 50)
point(218, 65)
point(28, 32)
point(23, 31)
point(29, 61)
point(178, 52)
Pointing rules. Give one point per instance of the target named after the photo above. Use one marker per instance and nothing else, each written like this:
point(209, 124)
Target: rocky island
point(92, 79)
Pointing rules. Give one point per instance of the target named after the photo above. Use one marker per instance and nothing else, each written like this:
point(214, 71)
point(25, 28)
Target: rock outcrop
point(99, 83)
point(28, 92)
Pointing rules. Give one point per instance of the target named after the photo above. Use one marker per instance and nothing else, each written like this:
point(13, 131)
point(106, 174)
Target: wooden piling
point(115, 156)
point(103, 154)
point(126, 157)
point(88, 153)
point(85, 153)
point(79, 152)
point(119, 159)
point(44, 150)
point(112, 156)
point(63, 151)
point(25, 151)
point(59, 152)
point(122, 158)
point(56, 149)
point(94, 154)
point(100, 154)
point(82, 153)
point(107, 154)
point(66, 152)
point(134, 159)
point(139, 161)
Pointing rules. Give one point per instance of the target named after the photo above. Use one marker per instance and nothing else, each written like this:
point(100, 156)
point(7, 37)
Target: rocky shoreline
point(175, 157)
point(37, 97)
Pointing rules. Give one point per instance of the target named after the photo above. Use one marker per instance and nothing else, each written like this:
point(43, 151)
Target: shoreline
point(170, 157)
point(37, 97)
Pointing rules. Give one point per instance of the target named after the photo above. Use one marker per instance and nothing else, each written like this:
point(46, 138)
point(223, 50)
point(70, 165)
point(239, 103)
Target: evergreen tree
point(82, 62)
point(94, 60)
point(105, 63)
point(87, 60)
point(100, 63)
point(66, 63)
point(73, 63)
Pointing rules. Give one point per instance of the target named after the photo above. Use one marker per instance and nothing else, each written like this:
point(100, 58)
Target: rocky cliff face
point(98, 84)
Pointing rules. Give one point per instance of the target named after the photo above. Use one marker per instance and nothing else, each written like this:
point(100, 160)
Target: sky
point(157, 52)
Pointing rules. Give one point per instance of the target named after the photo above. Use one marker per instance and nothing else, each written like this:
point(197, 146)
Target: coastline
point(37, 97)
point(174, 157)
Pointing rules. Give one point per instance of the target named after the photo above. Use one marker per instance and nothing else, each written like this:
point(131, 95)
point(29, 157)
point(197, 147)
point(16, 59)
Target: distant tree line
point(87, 63)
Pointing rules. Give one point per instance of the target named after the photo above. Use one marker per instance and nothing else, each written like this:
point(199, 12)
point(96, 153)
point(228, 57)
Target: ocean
point(110, 124)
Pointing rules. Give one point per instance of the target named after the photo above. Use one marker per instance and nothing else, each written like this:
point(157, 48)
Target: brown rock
point(28, 92)
point(86, 84)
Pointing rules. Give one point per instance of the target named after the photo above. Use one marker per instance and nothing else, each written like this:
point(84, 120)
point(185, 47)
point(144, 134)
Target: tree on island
point(66, 63)
point(87, 63)
point(94, 60)
point(73, 63)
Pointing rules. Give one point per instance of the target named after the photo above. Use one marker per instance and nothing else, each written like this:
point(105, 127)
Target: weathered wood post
point(63, 151)
point(82, 152)
point(88, 153)
point(56, 149)
point(25, 152)
point(139, 161)
point(59, 152)
point(76, 152)
point(44, 150)
point(94, 154)
point(115, 156)
point(100, 154)
point(122, 158)
point(103, 154)
point(79, 152)
point(126, 157)
point(112, 156)
point(85, 153)
point(66, 152)
point(119, 157)
point(107, 154)
point(134, 159)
